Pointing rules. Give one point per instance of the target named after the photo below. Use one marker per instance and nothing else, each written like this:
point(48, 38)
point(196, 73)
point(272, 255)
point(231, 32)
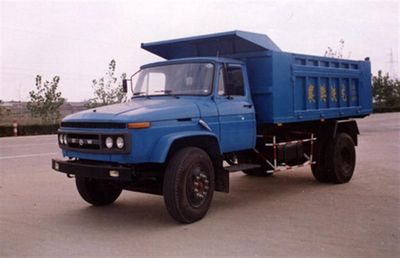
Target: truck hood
point(140, 109)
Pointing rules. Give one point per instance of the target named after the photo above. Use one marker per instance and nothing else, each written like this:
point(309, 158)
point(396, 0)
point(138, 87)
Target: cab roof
point(194, 60)
point(218, 44)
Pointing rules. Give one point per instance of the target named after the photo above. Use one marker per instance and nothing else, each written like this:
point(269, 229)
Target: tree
point(107, 89)
point(385, 90)
point(3, 110)
point(46, 101)
point(338, 53)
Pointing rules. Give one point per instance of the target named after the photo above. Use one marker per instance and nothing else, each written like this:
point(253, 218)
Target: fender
point(350, 127)
point(162, 147)
point(332, 128)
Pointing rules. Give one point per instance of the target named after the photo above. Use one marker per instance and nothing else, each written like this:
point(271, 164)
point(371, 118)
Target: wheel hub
point(201, 185)
point(198, 188)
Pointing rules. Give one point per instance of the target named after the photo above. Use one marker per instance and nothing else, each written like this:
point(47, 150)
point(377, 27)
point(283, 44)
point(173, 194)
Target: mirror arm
point(125, 85)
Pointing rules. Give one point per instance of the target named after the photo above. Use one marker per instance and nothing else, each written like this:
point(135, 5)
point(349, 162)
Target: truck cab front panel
point(141, 144)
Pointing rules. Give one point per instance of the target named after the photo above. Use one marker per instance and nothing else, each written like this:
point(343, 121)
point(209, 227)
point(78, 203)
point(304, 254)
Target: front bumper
point(93, 170)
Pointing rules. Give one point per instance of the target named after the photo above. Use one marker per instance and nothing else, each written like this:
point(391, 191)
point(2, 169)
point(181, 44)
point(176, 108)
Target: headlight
point(120, 142)
point(109, 142)
point(65, 139)
point(61, 139)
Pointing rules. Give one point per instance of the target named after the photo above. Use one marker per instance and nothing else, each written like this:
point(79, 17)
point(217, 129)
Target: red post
point(15, 130)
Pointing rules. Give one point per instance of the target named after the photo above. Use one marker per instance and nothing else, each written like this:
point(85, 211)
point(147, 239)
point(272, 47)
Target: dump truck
point(218, 103)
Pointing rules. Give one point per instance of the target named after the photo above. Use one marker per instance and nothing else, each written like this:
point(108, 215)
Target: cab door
point(235, 108)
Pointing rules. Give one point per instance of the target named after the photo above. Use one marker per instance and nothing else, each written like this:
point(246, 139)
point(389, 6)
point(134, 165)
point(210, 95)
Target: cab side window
point(231, 81)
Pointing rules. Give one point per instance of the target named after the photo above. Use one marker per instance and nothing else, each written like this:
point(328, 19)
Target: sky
point(77, 39)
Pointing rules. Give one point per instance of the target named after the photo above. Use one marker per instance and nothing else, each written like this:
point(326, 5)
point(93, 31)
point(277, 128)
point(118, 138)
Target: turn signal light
point(139, 125)
point(114, 173)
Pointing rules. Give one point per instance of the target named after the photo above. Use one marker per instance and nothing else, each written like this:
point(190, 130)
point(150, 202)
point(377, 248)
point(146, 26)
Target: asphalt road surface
point(286, 214)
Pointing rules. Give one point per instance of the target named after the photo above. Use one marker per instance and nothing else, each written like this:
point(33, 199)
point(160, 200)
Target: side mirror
point(125, 85)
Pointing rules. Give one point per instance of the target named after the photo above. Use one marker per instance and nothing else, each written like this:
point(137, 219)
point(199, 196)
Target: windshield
point(174, 79)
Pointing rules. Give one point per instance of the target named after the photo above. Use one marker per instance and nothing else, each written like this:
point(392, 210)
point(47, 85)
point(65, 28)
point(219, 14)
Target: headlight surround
point(94, 142)
point(109, 142)
point(120, 142)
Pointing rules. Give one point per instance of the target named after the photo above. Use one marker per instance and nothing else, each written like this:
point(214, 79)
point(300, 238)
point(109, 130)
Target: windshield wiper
point(167, 92)
point(164, 91)
point(139, 94)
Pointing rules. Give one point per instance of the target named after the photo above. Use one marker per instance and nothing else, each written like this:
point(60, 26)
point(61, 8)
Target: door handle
point(248, 106)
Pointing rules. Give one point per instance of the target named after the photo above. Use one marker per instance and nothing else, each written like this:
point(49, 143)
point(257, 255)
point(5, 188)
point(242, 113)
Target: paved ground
point(286, 214)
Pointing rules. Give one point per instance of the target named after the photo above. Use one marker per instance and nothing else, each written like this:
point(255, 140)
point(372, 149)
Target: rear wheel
point(97, 192)
point(335, 160)
point(319, 170)
point(341, 158)
point(189, 185)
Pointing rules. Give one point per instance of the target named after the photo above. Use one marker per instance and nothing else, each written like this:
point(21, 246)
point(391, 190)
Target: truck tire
point(319, 170)
point(340, 158)
point(188, 184)
point(97, 192)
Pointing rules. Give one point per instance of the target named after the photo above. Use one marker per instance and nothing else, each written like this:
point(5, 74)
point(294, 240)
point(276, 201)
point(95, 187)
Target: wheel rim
point(197, 187)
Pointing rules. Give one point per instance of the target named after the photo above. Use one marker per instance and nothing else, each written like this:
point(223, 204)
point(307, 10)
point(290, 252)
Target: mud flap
point(221, 180)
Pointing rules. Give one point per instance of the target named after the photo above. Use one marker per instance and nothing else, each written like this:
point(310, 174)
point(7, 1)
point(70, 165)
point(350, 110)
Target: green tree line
point(46, 100)
point(385, 91)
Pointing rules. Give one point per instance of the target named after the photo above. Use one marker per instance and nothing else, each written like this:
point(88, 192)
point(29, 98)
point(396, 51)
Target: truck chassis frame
point(282, 167)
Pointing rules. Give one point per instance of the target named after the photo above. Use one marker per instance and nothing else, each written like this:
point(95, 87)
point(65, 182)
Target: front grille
point(102, 125)
point(84, 141)
point(92, 142)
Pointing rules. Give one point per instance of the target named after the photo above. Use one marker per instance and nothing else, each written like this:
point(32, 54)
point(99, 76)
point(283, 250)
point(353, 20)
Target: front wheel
point(97, 192)
point(189, 185)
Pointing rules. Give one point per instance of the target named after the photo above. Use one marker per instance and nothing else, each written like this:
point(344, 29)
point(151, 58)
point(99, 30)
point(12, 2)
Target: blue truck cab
point(218, 104)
